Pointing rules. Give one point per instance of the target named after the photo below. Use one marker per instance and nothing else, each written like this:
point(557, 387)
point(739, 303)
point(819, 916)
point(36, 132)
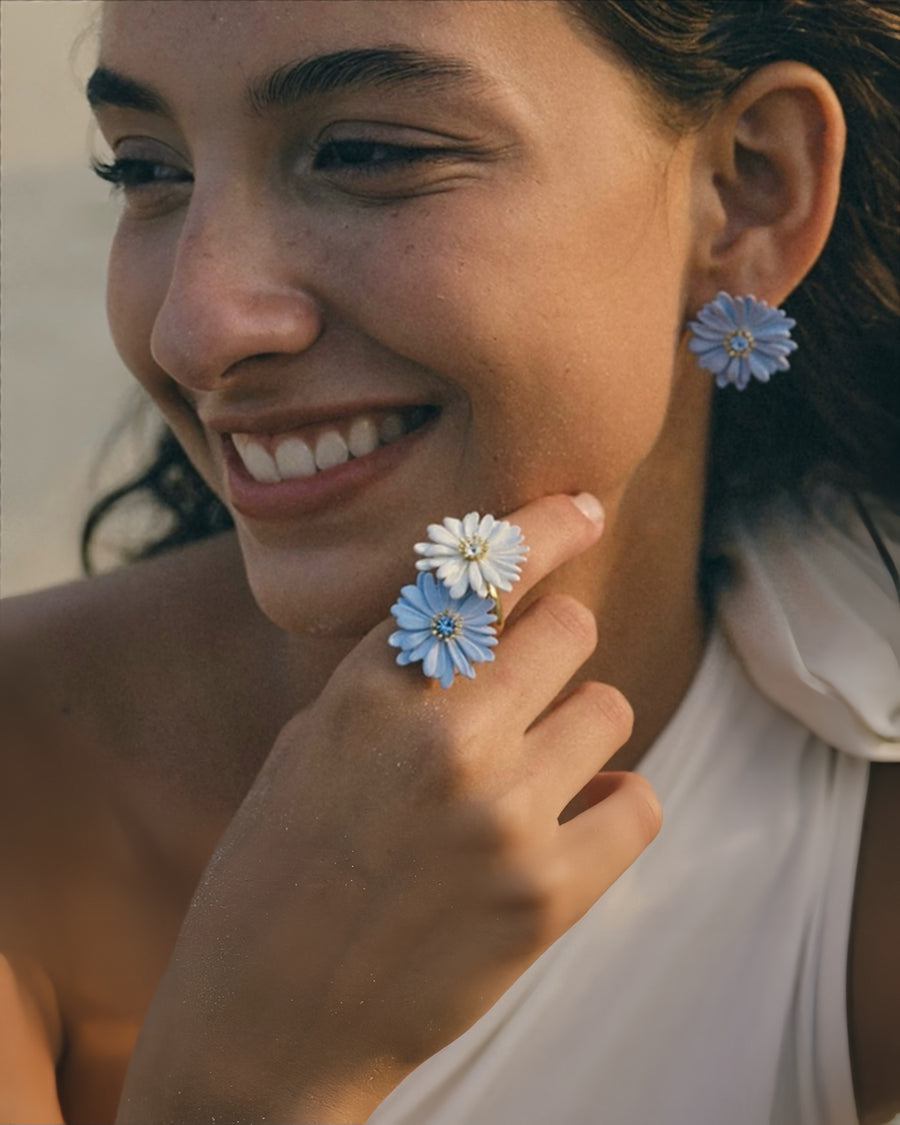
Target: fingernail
point(589, 506)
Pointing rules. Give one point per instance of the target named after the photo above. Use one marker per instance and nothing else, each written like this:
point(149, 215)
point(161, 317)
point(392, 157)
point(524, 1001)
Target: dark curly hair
point(836, 416)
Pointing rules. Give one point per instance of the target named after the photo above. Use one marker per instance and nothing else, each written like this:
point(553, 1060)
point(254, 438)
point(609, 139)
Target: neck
point(641, 581)
point(642, 578)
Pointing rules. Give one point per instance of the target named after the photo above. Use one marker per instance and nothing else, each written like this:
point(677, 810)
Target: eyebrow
point(373, 66)
point(107, 87)
point(295, 81)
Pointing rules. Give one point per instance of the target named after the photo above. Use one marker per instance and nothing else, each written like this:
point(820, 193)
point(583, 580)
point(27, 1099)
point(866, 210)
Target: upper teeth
point(293, 458)
point(289, 456)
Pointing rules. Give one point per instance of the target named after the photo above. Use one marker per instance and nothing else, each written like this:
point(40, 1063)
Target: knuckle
point(573, 618)
point(499, 831)
point(451, 745)
point(535, 890)
point(531, 906)
point(369, 684)
point(455, 733)
point(525, 884)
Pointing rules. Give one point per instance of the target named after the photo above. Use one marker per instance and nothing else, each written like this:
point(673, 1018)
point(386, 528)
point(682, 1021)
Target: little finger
point(569, 746)
point(601, 843)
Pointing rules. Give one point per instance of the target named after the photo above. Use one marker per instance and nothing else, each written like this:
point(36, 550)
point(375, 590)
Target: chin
point(323, 600)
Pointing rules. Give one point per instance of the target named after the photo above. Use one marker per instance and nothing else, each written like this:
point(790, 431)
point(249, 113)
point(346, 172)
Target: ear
point(766, 182)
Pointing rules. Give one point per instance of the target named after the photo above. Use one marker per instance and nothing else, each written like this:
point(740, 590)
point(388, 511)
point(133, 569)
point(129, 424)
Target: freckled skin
point(533, 286)
point(535, 293)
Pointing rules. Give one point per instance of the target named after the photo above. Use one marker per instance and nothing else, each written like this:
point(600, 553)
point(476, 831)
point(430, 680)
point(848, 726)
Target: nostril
point(207, 329)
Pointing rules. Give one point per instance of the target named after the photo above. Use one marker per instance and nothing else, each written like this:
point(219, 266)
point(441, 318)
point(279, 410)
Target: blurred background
point(64, 389)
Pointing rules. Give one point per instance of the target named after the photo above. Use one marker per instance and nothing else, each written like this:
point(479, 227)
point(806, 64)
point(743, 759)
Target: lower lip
point(291, 498)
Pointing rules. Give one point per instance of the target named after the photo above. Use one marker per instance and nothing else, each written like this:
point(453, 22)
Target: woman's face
point(443, 234)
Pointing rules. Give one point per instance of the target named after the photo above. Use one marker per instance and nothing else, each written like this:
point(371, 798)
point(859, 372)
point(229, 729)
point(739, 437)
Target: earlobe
point(769, 177)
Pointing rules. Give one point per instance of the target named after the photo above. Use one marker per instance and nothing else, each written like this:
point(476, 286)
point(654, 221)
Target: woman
point(464, 242)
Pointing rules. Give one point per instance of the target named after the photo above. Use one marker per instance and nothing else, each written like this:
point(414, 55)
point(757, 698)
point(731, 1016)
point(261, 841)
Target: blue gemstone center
point(738, 342)
point(444, 625)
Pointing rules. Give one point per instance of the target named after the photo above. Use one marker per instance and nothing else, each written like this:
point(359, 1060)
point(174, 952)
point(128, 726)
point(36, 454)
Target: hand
point(397, 864)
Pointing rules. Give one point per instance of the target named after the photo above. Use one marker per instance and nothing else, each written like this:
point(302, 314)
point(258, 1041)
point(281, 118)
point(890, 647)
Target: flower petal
point(444, 668)
point(476, 580)
point(486, 527)
point(440, 533)
point(760, 368)
point(452, 572)
point(431, 659)
point(421, 650)
point(475, 652)
point(458, 658)
point(489, 572)
point(459, 587)
point(713, 333)
point(480, 626)
point(436, 550)
point(772, 329)
point(410, 618)
point(453, 526)
point(733, 369)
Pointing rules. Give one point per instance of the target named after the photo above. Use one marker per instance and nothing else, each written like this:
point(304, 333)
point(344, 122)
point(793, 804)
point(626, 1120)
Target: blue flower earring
point(739, 338)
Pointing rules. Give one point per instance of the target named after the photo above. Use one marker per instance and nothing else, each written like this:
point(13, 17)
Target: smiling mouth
point(301, 454)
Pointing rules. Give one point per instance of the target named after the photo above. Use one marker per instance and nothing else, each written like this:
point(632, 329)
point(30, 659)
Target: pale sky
point(63, 386)
point(44, 115)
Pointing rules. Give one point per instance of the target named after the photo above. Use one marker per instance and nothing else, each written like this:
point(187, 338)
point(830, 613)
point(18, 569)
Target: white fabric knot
point(814, 617)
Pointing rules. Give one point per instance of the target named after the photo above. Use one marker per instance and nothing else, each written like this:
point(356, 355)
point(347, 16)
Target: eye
point(129, 173)
point(363, 156)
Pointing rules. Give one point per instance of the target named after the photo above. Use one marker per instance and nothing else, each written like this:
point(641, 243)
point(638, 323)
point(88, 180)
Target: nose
point(236, 291)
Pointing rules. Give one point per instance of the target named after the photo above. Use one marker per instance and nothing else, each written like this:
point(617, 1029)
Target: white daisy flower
point(472, 553)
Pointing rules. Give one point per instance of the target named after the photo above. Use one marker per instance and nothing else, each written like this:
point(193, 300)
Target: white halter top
point(707, 986)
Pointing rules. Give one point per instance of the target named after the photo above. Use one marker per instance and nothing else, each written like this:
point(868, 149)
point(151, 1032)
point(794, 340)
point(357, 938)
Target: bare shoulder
point(874, 967)
point(93, 691)
point(131, 699)
point(30, 1043)
point(135, 708)
point(92, 658)
point(58, 639)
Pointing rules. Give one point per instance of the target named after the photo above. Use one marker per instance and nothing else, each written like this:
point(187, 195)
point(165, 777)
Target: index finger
point(555, 529)
point(444, 619)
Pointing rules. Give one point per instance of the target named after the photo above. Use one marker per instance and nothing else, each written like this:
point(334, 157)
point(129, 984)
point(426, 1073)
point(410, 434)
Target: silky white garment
point(707, 986)
point(814, 617)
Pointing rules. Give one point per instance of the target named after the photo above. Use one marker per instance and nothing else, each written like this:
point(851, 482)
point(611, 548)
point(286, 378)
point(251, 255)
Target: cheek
point(559, 322)
point(137, 279)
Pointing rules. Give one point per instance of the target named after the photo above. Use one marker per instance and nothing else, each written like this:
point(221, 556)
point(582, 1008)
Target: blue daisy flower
point(447, 634)
point(739, 338)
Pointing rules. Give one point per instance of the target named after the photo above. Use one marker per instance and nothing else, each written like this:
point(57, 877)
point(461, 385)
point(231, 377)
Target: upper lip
point(285, 419)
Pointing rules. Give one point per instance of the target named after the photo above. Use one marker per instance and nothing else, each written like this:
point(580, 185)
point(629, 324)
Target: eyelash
point(335, 156)
point(400, 156)
point(130, 172)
